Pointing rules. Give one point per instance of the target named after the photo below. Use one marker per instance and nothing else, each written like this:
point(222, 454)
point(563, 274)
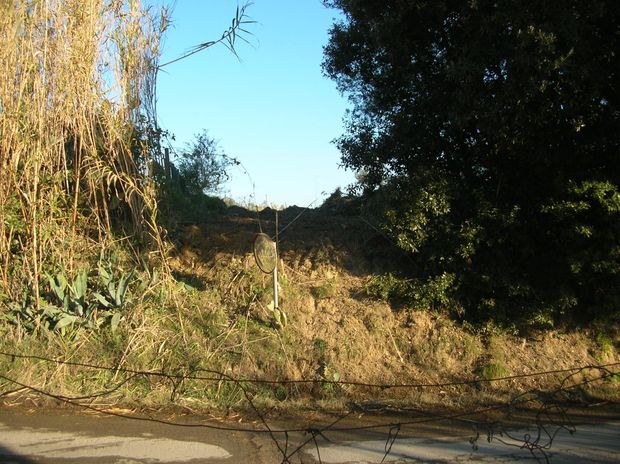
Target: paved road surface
point(589, 444)
point(63, 437)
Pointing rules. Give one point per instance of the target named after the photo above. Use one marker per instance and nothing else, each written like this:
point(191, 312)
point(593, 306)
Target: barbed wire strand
point(303, 211)
point(392, 435)
point(533, 445)
point(218, 376)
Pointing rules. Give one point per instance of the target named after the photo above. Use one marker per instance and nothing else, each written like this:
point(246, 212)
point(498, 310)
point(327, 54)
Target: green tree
point(186, 187)
point(202, 165)
point(488, 133)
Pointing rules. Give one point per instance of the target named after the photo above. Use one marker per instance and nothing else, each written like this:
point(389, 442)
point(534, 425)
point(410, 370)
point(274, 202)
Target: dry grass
point(76, 81)
point(75, 78)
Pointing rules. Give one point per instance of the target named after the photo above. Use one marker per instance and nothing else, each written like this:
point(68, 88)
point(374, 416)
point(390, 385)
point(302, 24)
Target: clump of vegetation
point(474, 131)
point(325, 368)
point(75, 84)
point(605, 346)
point(432, 294)
point(494, 370)
point(324, 291)
point(202, 165)
point(187, 184)
point(495, 365)
point(85, 268)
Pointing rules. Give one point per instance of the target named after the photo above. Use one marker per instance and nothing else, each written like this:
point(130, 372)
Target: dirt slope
point(336, 331)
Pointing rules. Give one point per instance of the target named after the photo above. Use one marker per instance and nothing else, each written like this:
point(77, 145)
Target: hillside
point(336, 331)
point(206, 337)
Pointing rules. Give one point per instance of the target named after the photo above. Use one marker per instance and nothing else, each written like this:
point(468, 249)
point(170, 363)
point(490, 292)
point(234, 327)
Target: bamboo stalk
point(69, 71)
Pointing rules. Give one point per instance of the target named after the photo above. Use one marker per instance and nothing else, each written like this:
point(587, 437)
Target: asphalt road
point(62, 437)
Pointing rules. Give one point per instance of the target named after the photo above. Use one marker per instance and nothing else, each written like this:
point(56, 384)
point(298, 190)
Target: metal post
point(275, 269)
point(275, 287)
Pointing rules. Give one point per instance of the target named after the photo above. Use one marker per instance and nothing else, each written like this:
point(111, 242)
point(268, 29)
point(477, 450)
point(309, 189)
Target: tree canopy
point(202, 165)
point(490, 133)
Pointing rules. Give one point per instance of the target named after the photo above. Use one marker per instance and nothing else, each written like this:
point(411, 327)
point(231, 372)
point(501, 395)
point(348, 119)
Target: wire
point(296, 217)
point(538, 446)
point(219, 376)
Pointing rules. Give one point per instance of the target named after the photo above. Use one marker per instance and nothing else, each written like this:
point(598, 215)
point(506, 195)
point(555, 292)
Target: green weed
point(324, 291)
point(320, 348)
point(494, 370)
point(605, 347)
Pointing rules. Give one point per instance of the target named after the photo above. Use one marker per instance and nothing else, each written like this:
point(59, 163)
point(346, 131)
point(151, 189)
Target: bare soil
point(337, 332)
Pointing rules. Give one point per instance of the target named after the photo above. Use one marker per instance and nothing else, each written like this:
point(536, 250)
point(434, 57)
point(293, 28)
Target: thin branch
point(228, 38)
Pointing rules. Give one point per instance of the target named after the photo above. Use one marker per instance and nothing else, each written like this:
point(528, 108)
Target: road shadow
point(8, 456)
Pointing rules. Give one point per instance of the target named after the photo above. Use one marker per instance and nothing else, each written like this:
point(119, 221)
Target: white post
point(275, 269)
point(275, 287)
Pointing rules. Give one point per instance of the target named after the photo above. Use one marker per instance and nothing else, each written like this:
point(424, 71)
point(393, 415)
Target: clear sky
point(273, 109)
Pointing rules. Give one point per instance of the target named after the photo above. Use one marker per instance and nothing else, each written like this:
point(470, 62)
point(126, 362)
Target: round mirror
point(265, 253)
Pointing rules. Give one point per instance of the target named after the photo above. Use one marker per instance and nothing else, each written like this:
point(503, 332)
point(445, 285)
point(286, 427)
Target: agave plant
point(115, 291)
point(114, 294)
point(72, 296)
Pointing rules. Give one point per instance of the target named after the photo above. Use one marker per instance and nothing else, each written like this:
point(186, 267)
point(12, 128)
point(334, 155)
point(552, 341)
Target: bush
point(199, 170)
point(202, 166)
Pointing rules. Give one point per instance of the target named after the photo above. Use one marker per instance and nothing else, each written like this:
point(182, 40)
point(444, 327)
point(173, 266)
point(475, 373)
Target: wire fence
point(549, 407)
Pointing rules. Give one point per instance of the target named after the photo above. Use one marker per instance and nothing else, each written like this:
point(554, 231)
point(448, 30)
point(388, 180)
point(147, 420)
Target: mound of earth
point(336, 331)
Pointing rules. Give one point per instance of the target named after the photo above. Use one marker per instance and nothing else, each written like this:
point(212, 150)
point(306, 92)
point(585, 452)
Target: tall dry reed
point(76, 84)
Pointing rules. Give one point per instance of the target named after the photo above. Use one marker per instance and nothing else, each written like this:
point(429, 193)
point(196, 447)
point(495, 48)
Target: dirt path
point(54, 437)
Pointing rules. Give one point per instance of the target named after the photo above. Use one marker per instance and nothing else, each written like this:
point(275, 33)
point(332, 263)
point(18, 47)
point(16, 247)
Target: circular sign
point(265, 253)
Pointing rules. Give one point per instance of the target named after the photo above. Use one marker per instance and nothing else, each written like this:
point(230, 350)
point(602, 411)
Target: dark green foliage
point(180, 206)
point(488, 138)
point(199, 169)
point(427, 294)
point(202, 166)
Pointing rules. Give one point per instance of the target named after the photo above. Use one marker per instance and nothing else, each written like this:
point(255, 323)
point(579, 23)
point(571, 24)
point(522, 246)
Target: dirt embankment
point(336, 331)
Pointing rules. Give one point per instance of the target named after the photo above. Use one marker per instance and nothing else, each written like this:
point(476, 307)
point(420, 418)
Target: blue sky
point(273, 109)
